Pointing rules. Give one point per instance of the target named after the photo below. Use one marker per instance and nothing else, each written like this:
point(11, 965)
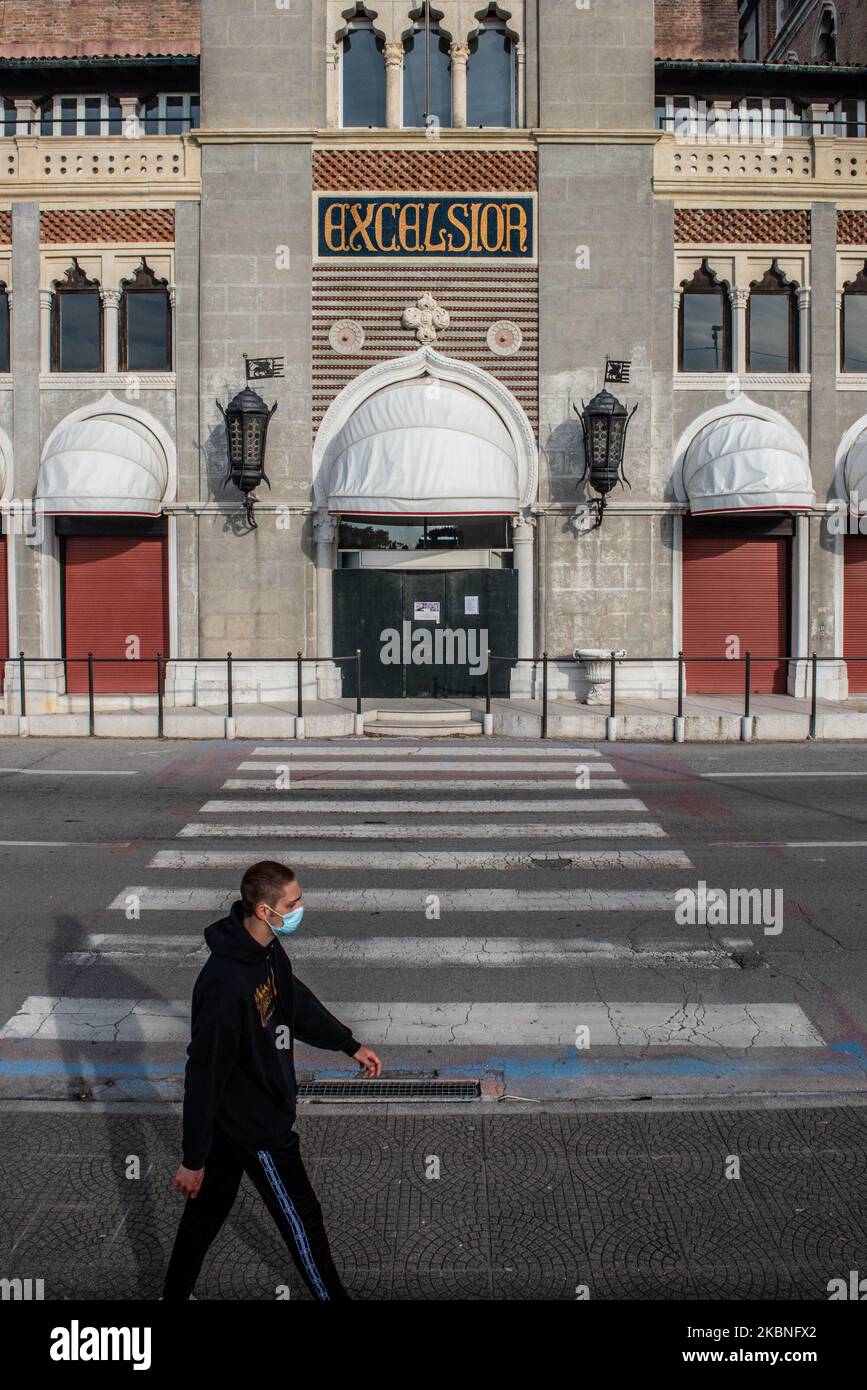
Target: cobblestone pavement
point(526, 1206)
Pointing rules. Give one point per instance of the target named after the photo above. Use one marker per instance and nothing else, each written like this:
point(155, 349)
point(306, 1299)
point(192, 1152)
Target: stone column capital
point(394, 54)
point(325, 528)
point(522, 527)
point(738, 295)
point(46, 299)
point(459, 52)
point(110, 298)
point(803, 297)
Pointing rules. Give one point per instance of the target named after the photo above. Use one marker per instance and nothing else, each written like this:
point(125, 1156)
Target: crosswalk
point(437, 946)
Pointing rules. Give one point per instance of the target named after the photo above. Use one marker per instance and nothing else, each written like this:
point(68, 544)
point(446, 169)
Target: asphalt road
point(514, 911)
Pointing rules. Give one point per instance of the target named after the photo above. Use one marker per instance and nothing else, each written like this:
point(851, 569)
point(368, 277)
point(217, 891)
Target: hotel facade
point(434, 226)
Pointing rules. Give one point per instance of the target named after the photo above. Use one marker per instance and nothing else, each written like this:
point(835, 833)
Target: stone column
point(804, 330)
point(130, 121)
point(110, 324)
point(797, 679)
point(327, 674)
point(393, 84)
point(676, 296)
point(26, 117)
point(459, 54)
point(738, 297)
point(838, 321)
point(332, 90)
point(520, 63)
point(523, 559)
point(173, 365)
point(46, 299)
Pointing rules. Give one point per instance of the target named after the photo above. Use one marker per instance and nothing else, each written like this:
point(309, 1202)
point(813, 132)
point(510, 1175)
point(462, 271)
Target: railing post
point(21, 684)
point(230, 698)
point(357, 680)
point(613, 706)
point(159, 695)
point(680, 672)
point(747, 683)
point(544, 731)
point(300, 677)
point(90, 713)
point(814, 684)
point(488, 684)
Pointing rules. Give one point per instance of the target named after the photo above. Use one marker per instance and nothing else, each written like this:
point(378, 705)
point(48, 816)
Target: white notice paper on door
point(426, 611)
point(471, 603)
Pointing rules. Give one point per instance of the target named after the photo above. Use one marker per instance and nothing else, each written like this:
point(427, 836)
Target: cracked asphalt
point(548, 953)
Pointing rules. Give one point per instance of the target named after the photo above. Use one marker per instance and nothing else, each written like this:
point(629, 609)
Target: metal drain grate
point(360, 1090)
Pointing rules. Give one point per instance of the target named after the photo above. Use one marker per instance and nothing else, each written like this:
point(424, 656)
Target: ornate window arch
point(492, 70)
point(853, 323)
point(772, 323)
point(704, 332)
point(362, 69)
point(76, 323)
point(145, 322)
point(825, 44)
point(437, 82)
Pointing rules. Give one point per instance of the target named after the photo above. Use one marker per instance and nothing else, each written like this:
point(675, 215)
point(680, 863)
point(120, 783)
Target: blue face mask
point(289, 923)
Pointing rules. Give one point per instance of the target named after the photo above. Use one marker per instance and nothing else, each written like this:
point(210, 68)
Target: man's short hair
point(264, 882)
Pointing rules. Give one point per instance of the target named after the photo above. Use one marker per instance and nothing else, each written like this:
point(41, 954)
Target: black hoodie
point(248, 1009)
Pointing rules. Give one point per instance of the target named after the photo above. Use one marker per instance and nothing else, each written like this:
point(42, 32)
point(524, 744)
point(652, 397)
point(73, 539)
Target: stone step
point(381, 730)
point(420, 716)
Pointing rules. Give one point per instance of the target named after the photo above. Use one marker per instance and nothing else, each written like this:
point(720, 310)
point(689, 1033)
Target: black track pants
point(283, 1184)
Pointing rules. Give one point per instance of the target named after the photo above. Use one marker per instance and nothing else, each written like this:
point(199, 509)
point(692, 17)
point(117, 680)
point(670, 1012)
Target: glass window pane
point(147, 321)
point(703, 333)
point(490, 81)
point(151, 117)
point(79, 332)
point(46, 121)
point(855, 332)
point(363, 79)
point(69, 116)
point(195, 112)
point(175, 122)
point(440, 80)
point(4, 333)
point(92, 113)
point(115, 124)
point(769, 332)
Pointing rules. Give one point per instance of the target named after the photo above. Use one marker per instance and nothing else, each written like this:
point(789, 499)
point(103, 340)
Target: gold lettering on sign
point(499, 222)
point(429, 243)
point(361, 225)
point(516, 221)
point(377, 227)
point(452, 212)
point(335, 223)
point(405, 226)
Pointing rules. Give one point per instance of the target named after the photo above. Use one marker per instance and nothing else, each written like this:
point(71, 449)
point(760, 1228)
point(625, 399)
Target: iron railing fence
point(748, 661)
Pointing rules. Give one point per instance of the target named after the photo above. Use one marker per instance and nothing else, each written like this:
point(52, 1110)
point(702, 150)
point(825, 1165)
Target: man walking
point(240, 1087)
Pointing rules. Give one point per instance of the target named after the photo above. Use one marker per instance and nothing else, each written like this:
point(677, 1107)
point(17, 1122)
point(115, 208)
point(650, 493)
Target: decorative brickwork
point(852, 227)
point(447, 171)
point(755, 226)
point(377, 296)
point(89, 225)
point(6, 228)
point(98, 28)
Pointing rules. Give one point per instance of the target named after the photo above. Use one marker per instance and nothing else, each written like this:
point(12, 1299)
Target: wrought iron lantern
point(604, 421)
point(247, 418)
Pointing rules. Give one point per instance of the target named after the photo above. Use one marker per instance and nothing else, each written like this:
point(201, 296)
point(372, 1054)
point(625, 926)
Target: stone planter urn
point(596, 668)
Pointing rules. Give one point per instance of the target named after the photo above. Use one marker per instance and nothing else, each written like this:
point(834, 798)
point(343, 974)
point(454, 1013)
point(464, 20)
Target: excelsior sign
point(490, 227)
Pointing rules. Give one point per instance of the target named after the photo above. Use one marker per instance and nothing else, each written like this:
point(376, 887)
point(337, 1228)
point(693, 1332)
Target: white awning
point(855, 474)
point(743, 462)
point(104, 465)
point(426, 447)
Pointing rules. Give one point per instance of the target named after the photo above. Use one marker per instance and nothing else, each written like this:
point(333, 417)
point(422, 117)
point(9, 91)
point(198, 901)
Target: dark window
point(68, 116)
point(491, 78)
point(772, 324)
point(92, 116)
point(826, 39)
point(749, 40)
point(853, 324)
point(440, 77)
point(176, 121)
point(4, 329)
point(425, 533)
point(10, 117)
point(76, 344)
point(46, 119)
point(115, 122)
point(363, 66)
point(145, 323)
point(151, 113)
point(195, 112)
point(704, 324)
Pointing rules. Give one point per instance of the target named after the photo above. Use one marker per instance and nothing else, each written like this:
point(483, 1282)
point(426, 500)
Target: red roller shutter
point(735, 587)
point(855, 610)
point(4, 605)
point(114, 588)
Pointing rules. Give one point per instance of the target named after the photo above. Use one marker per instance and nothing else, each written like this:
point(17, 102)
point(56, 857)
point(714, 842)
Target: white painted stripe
point(321, 765)
point(787, 844)
point(414, 953)
point(382, 830)
point(66, 844)
point(376, 806)
point(431, 859)
point(374, 899)
point(376, 750)
point(426, 784)
point(67, 772)
point(462, 1023)
point(783, 774)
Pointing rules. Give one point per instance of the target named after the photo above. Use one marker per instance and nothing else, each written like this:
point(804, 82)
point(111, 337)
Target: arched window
point(826, 36)
point(76, 323)
point(145, 323)
point(362, 74)
point(427, 72)
point(704, 324)
point(491, 75)
point(4, 328)
point(853, 324)
point(772, 323)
